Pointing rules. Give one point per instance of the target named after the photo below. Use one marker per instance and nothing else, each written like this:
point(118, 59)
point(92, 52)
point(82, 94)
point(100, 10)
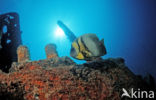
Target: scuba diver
point(86, 47)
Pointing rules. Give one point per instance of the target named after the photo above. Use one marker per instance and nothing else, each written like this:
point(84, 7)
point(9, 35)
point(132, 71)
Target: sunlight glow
point(59, 33)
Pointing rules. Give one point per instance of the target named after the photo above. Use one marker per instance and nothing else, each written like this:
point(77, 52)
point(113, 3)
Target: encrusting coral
point(59, 78)
point(50, 50)
point(23, 54)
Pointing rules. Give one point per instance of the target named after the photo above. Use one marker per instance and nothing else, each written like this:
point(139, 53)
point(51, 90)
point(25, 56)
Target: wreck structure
point(23, 54)
point(10, 39)
point(50, 50)
point(60, 78)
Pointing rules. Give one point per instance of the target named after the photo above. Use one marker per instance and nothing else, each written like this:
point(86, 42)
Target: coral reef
point(62, 79)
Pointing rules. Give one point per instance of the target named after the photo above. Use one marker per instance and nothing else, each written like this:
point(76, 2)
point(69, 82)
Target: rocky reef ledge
point(62, 79)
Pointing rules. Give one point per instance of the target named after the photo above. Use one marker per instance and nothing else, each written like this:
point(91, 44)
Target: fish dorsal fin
point(102, 41)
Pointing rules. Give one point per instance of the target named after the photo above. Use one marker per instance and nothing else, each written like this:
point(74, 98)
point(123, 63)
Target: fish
point(70, 35)
point(87, 47)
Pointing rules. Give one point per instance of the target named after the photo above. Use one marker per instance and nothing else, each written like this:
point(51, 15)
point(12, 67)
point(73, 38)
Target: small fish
point(87, 47)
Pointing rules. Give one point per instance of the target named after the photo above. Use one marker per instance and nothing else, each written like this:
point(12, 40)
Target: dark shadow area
point(10, 39)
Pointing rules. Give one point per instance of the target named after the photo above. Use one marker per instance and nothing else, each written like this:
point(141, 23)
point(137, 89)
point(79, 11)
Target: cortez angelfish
point(87, 47)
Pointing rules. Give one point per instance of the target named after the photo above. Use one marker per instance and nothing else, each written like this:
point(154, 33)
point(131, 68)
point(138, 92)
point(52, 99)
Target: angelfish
point(87, 47)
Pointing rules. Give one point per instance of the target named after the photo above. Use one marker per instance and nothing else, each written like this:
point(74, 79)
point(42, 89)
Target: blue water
point(127, 26)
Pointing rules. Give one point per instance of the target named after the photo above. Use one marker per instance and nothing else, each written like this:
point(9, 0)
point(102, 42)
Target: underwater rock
point(62, 79)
